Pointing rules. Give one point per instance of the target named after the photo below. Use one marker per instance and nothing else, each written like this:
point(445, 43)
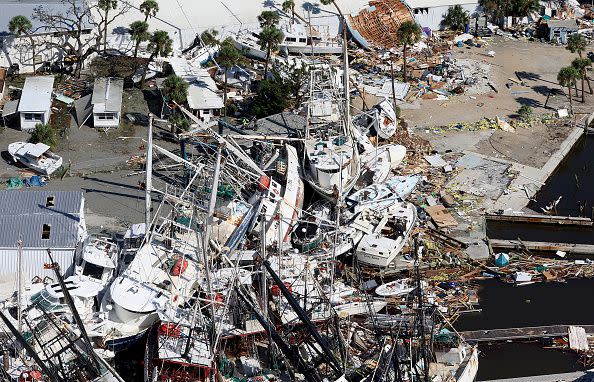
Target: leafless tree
point(75, 31)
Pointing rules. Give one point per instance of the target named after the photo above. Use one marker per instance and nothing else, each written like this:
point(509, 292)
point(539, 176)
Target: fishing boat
point(331, 159)
point(162, 275)
point(379, 249)
point(281, 206)
point(247, 42)
point(359, 307)
point(36, 156)
point(378, 163)
point(301, 39)
point(395, 288)
point(383, 195)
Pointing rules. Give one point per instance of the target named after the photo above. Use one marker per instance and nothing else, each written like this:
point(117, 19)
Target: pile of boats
point(252, 267)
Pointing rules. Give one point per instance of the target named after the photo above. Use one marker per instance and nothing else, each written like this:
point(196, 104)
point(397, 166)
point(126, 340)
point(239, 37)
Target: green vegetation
point(581, 65)
point(139, 33)
point(269, 39)
point(568, 76)
point(514, 8)
point(44, 134)
point(160, 44)
point(282, 91)
point(456, 18)
point(21, 26)
point(229, 56)
point(149, 8)
point(289, 6)
point(576, 43)
point(525, 113)
point(408, 34)
point(175, 89)
point(106, 6)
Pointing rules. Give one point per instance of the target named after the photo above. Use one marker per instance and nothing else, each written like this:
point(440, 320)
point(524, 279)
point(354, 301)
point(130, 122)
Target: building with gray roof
point(107, 102)
point(40, 220)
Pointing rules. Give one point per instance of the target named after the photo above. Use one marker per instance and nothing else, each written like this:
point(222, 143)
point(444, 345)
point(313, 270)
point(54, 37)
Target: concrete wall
point(30, 125)
point(434, 16)
point(33, 261)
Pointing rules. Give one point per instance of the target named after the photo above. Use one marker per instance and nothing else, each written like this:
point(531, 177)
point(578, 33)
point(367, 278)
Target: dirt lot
point(536, 63)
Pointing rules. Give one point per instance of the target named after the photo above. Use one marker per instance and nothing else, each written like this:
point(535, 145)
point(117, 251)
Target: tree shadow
point(310, 7)
point(546, 90)
point(528, 102)
point(528, 76)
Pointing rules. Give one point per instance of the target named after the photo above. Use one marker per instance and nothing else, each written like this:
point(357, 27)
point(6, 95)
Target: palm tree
point(209, 37)
point(139, 33)
point(409, 33)
point(106, 6)
point(581, 65)
point(289, 6)
point(159, 45)
point(576, 43)
point(567, 76)
point(19, 26)
point(149, 8)
point(269, 40)
point(229, 56)
point(268, 19)
point(333, 2)
point(456, 18)
point(522, 8)
point(175, 89)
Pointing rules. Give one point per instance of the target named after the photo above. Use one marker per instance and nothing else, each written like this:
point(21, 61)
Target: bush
point(272, 98)
point(525, 113)
point(44, 134)
point(398, 112)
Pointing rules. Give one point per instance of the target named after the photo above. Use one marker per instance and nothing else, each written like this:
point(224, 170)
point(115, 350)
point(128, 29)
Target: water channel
point(506, 305)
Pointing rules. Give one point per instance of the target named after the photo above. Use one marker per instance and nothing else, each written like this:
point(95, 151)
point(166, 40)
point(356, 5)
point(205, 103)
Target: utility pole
point(148, 183)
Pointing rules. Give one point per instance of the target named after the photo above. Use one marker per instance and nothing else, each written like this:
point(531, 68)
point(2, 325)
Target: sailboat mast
point(20, 285)
point(345, 72)
point(148, 183)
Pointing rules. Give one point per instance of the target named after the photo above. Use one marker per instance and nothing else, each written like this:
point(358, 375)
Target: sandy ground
point(536, 63)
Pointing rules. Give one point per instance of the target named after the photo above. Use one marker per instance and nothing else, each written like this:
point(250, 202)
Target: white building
point(36, 101)
point(430, 13)
point(42, 220)
point(17, 50)
point(107, 102)
point(203, 99)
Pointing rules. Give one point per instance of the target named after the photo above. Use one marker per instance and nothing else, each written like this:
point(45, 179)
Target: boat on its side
point(378, 163)
point(379, 249)
point(383, 195)
point(395, 288)
point(36, 156)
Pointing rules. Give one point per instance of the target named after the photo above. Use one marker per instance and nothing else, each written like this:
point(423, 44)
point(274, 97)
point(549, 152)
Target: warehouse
point(430, 13)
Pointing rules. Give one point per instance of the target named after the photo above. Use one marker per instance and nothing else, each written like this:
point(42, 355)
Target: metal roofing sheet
point(10, 108)
point(107, 94)
point(24, 214)
point(37, 94)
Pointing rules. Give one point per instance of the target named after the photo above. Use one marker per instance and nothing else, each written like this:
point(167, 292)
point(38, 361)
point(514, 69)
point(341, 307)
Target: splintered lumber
point(578, 340)
point(545, 219)
point(379, 23)
point(584, 249)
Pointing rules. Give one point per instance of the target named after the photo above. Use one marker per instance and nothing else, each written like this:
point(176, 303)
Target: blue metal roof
point(24, 214)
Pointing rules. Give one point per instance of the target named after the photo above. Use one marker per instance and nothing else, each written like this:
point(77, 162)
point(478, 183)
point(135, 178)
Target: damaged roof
point(24, 214)
point(378, 23)
point(107, 94)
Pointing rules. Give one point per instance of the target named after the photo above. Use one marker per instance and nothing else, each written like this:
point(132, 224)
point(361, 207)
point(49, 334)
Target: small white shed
point(107, 102)
point(36, 101)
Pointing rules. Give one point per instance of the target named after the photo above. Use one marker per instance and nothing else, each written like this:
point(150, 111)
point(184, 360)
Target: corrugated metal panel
point(17, 202)
point(24, 214)
point(33, 261)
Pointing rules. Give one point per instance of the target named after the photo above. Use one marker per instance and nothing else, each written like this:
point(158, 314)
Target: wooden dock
point(527, 333)
point(542, 219)
point(582, 249)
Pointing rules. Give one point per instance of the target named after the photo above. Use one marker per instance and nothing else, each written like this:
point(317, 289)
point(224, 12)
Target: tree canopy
point(268, 19)
point(149, 8)
point(176, 89)
point(576, 43)
point(20, 25)
point(456, 18)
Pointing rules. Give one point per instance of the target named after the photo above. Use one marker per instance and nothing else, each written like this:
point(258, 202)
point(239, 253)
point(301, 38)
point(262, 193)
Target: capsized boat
point(395, 288)
point(380, 249)
point(283, 201)
point(383, 195)
point(381, 120)
point(378, 163)
point(36, 156)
